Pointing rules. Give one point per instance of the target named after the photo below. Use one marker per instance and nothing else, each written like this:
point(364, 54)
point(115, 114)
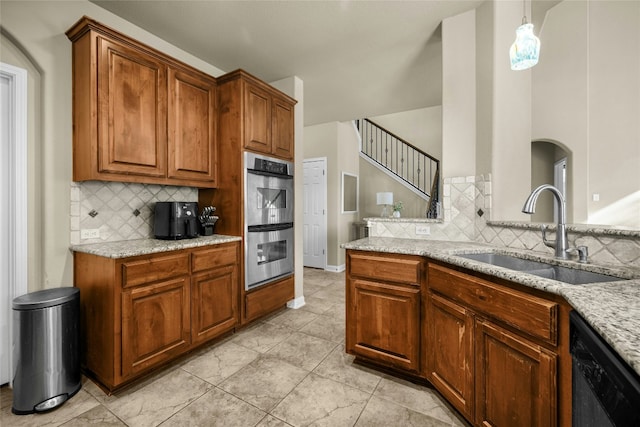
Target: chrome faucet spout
point(560, 244)
point(530, 204)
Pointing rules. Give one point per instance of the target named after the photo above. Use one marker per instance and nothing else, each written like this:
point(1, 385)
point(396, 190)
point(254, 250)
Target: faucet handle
point(549, 243)
point(583, 253)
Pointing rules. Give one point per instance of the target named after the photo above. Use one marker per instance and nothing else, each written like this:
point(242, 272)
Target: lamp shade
point(385, 198)
point(525, 51)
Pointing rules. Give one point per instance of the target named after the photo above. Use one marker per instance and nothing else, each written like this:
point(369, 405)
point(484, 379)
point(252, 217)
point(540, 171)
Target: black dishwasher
point(606, 391)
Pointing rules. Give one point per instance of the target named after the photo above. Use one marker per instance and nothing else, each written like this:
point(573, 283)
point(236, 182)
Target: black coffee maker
point(175, 220)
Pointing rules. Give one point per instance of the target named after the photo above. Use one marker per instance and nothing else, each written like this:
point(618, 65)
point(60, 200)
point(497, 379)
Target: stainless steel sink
point(563, 274)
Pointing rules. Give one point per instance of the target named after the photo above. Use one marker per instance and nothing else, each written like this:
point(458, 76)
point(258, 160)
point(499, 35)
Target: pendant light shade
point(525, 51)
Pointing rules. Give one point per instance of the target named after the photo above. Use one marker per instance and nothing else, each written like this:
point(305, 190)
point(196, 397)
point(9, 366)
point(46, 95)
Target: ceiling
point(355, 58)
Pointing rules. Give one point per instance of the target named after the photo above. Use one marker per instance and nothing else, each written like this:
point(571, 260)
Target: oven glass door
point(269, 199)
point(269, 254)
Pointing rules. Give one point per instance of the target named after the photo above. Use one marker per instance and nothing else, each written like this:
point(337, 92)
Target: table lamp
point(384, 199)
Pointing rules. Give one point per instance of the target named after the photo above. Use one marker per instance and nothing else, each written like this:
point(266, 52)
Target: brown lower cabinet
point(383, 309)
point(141, 312)
point(497, 351)
point(266, 299)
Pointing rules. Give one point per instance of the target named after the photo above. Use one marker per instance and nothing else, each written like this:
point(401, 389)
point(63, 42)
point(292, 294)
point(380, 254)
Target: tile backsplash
point(467, 212)
point(121, 211)
point(604, 248)
point(463, 198)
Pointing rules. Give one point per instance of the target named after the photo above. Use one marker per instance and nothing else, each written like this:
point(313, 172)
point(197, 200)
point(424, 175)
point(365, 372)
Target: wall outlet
point(423, 230)
point(90, 233)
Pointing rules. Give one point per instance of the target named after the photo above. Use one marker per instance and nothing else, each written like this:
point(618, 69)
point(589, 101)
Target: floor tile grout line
point(333, 301)
point(270, 412)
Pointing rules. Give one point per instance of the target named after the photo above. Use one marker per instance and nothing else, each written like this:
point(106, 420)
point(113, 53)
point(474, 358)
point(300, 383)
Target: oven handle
point(269, 174)
point(269, 227)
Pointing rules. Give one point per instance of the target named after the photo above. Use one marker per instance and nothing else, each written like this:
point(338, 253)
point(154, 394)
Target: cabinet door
point(132, 92)
point(192, 127)
point(155, 324)
point(257, 119)
point(515, 380)
point(282, 128)
point(214, 302)
point(383, 323)
point(449, 347)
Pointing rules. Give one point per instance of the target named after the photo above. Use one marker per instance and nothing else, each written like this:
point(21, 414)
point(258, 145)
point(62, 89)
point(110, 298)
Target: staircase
point(408, 164)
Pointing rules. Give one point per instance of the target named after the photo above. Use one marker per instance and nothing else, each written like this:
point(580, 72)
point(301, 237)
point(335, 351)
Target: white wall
point(511, 121)
point(421, 127)
point(560, 98)
point(372, 181)
point(11, 54)
point(586, 94)
point(38, 29)
point(338, 142)
point(348, 161)
point(459, 95)
point(321, 141)
point(484, 87)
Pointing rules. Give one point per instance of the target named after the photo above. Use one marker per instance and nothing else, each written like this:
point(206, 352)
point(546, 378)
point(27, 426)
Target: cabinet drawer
point(533, 315)
point(150, 269)
point(213, 258)
point(405, 269)
point(268, 298)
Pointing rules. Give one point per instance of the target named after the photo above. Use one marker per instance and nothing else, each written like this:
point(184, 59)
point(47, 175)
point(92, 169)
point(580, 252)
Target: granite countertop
point(606, 230)
point(129, 248)
point(411, 220)
point(611, 308)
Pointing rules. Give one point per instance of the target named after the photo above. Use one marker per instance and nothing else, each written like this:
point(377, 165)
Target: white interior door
point(13, 194)
point(315, 213)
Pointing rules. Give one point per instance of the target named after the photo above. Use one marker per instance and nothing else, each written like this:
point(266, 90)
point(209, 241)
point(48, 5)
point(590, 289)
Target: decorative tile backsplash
point(121, 211)
point(467, 210)
point(462, 198)
point(603, 248)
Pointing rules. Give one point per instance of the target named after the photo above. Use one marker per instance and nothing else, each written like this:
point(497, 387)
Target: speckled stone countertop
point(611, 308)
point(129, 248)
point(411, 220)
point(605, 230)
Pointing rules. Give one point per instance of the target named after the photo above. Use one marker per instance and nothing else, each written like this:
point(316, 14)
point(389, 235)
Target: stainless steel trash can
point(46, 349)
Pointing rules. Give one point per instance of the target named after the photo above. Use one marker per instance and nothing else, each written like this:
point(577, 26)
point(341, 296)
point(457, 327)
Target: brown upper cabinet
point(139, 115)
point(266, 114)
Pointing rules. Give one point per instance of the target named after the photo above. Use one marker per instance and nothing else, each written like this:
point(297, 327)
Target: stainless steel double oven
point(268, 219)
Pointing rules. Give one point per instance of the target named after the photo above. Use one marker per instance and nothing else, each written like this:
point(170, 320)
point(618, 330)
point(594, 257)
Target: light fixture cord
point(524, 12)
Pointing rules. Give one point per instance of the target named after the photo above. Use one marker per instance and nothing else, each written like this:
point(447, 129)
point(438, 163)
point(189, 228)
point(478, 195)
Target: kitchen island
point(483, 335)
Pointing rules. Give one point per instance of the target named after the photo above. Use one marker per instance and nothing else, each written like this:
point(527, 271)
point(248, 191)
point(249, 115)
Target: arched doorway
point(550, 164)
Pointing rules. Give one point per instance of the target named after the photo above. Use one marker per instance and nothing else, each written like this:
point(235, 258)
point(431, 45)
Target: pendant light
point(525, 51)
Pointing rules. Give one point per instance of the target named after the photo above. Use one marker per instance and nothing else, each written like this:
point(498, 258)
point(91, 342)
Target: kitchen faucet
point(561, 244)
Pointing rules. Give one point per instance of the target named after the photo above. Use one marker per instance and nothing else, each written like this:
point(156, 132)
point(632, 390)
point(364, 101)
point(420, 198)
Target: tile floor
point(287, 370)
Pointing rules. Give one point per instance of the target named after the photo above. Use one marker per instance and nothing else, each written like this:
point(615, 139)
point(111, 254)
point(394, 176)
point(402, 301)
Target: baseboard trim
point(336, 268)
point(296, 303)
